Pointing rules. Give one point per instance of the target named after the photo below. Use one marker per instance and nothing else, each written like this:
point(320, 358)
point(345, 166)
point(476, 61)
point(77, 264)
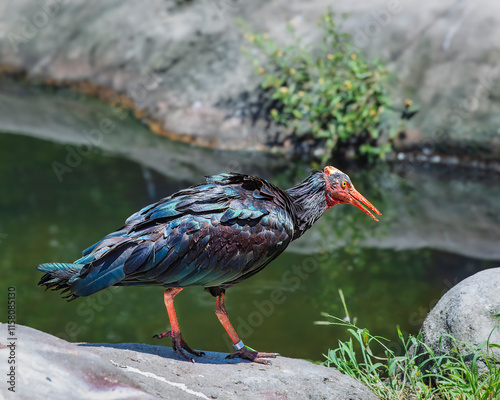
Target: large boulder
point(48, 367)
point(466, 312)
point(180, 61)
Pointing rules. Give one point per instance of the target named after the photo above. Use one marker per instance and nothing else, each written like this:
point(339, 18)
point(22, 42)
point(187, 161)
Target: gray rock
point(180, 62)
point(466, 312)
point(48, 367)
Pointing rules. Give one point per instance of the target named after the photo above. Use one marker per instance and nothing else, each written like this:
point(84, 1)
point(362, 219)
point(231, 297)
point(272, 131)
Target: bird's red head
point(340, 190)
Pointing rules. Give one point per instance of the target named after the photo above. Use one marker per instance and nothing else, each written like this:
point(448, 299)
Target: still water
point(391, 273)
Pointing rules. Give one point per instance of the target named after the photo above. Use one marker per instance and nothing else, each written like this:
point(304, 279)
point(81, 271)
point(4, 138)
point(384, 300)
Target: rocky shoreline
point(178, 65)
point(49, 366)
point(52, 367)
point(416, 151)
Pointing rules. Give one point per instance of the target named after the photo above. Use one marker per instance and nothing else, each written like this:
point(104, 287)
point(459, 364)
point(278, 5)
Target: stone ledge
point(49, 367)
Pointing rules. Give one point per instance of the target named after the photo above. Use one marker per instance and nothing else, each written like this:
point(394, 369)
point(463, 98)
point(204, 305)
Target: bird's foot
point(253, 355)
point(179, 345)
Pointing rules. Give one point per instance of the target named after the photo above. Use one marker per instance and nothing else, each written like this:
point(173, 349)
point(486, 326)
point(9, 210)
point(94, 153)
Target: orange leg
point(241, 350)
point(178, 343)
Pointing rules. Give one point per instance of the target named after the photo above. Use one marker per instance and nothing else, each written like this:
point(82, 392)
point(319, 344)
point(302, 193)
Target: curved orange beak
point(358, 200)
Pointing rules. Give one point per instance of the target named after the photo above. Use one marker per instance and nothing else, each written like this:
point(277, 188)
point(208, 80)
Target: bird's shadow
point(209, 357)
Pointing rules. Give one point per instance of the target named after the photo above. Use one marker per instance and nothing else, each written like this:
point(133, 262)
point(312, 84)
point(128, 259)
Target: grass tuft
point(467, 372)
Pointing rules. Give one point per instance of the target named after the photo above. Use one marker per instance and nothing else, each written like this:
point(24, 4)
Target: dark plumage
point(212, 235)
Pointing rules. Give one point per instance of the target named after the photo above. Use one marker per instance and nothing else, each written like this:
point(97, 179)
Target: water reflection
point(46, 220)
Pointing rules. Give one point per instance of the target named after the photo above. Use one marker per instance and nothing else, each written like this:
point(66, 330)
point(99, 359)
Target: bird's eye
point(344, 184)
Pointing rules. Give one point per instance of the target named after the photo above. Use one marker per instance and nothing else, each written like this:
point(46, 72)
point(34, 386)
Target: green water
point(43, 219)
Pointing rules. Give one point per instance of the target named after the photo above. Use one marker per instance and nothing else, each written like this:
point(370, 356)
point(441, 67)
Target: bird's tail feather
point(59, 276)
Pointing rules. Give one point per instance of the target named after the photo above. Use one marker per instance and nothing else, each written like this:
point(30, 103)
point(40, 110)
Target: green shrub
point(332, 94)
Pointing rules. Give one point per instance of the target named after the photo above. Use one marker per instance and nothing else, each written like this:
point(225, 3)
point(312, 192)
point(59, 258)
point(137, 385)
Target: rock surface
point(48, 367)
point(180, 61)
point(467, 313)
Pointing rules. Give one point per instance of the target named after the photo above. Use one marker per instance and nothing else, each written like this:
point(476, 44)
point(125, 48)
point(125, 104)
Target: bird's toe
point(262, 361)
point(162, 335)
point(179, 345)
point(253, 355)
point(184, 355)
point(267, 355)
